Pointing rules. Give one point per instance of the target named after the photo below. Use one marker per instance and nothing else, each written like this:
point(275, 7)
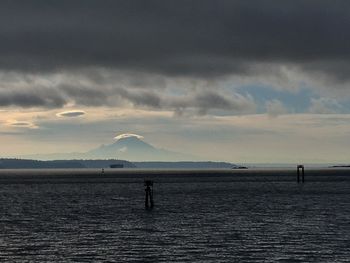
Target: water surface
point(211, 218)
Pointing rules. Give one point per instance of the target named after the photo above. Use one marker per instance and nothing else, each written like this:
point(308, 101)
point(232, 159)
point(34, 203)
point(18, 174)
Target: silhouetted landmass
point(106, 163)
point(340, 166)
point(185, 165)
point(110, 163)
point(28, 164)
point(57, 164)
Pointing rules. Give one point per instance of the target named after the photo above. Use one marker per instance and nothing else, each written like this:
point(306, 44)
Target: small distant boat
point(116, 166)
point(239, 167)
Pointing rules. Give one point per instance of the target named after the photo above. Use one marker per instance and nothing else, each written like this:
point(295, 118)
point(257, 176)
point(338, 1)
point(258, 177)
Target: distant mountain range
point(130, 148)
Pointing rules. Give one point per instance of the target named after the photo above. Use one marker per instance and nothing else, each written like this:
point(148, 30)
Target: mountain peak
point(124, 147)
point(131, 142)
point(132, 147)
point(128, 139)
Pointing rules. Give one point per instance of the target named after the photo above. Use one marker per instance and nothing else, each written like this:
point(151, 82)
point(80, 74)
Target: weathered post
point(300, 168)
point(148, 194)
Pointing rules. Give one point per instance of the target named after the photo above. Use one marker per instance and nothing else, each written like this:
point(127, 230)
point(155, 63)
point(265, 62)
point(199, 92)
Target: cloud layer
point(121, 53)
point(183, 38)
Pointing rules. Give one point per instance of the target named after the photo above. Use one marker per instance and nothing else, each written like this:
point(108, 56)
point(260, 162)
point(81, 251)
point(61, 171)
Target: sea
point(253, 215)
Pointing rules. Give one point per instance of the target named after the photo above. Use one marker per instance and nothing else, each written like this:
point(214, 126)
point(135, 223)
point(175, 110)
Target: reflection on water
point(193, 221)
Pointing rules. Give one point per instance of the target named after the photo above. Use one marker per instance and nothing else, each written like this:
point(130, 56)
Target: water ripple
point(192, 221)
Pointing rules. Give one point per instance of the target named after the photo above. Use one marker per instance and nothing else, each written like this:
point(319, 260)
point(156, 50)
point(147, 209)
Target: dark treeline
point(185, 165)
point(35, 164)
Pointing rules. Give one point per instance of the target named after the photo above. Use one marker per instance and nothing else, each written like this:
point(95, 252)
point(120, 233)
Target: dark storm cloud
point(31, 98)
point(202, 100)
point(182, 37)
point(113, 96)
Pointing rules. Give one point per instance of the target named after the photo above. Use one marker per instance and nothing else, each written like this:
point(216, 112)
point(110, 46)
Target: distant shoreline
point(9, 176)
point(13, 163)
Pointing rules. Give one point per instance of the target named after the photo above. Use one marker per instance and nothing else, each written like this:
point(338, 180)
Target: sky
point(239, 81)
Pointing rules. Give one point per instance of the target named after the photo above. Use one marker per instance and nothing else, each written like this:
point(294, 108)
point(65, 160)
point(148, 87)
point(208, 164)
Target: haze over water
point(212, 218)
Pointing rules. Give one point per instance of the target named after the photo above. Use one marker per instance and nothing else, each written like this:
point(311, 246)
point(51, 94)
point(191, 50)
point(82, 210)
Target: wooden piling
point(300, 172)
point(148, 194)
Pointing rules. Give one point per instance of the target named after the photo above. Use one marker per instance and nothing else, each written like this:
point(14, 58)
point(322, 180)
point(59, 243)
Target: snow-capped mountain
point(126, 147)
point(134, 148)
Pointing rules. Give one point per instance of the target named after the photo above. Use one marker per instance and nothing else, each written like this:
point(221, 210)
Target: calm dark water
point(195, 219)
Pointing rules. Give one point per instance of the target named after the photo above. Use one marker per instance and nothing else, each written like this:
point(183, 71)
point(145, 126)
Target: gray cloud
point(202, 100)
point(202, 38)
point(31, 98)
point(85, 95)
point(63, 89)
point(205, 100)
point(142, 98)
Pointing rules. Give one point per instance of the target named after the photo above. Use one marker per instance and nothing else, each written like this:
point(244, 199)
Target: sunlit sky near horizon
point(239, 81)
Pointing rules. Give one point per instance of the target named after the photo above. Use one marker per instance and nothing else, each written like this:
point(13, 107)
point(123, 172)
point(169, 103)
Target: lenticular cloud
point(73, 113)
point(127, 135)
